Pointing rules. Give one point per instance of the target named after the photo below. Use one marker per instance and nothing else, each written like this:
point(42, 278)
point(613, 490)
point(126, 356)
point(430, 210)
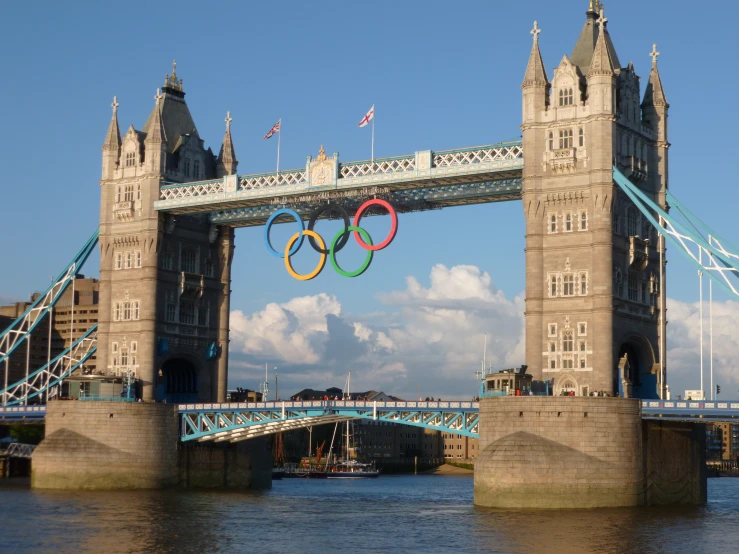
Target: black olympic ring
point(329, 208)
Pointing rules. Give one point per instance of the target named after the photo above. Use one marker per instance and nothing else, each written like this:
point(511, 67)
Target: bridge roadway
point(240, 421)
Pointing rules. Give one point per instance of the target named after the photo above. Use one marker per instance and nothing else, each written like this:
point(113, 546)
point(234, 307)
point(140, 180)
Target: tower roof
point(582, 54)
point(535, 72)
point(113, 137)
point(601, 62)
point(654, 95)
point(173, 111)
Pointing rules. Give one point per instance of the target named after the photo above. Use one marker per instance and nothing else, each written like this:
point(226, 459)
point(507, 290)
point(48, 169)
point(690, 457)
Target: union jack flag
point(275, 129)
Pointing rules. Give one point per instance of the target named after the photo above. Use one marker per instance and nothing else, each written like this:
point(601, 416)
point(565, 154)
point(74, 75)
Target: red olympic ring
point(393, 230)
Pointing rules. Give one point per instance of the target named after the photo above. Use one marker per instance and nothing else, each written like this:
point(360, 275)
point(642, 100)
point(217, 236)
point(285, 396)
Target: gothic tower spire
point(112, 144)
point(535, 72)
point(654, 94)
point(227, 161)
point(601, 64)
point(155, 142)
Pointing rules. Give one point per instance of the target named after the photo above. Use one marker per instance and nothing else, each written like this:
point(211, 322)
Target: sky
point(441, 75)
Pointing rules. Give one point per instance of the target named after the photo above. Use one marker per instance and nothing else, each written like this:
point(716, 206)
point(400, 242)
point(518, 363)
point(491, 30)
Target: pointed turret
point(155, 143)
point(601, 63)
point(227, 162)
point(655, 94)
point(155, 133)
point(112, 144)
point(535, 72)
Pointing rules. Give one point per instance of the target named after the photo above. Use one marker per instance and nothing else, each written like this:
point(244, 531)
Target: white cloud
point(683, 347)
point(431, 341)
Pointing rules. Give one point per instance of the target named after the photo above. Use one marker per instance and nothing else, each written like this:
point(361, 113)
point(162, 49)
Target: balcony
point(638, 253)
point(123, 210)
point(634, 168)
point(563, 160)
point(191, 285)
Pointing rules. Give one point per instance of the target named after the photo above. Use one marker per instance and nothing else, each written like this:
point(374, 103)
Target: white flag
point(369, 117)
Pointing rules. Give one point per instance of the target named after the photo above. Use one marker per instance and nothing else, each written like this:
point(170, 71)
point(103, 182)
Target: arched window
point(583, 221)
point(196, 169)
point(553, 223)
point(553, 286)
point(568, 222)
point(581, 134)
point(566, 97)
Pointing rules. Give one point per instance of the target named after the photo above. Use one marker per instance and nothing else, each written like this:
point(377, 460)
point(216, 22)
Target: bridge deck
point(420, 181)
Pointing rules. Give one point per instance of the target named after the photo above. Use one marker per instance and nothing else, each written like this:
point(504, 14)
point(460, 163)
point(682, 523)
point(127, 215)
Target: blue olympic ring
point(271, 220)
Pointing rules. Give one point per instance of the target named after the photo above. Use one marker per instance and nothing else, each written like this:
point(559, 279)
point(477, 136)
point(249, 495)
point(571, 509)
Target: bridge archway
point(641, 361)
point(178, 381)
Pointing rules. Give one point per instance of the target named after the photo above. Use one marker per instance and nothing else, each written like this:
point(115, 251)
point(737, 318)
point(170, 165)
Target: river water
point(427, 513)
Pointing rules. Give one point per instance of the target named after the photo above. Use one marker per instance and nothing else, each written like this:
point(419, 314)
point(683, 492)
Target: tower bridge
point(591, 172)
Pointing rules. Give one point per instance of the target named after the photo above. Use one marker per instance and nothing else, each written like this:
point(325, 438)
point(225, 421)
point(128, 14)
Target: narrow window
point(631, 222)
point(136, 309)
point(189, 260)
point(117, 311)
point(552, 347)
point(565, 138)
point(118, 193)
point(118, 260)
point(582, 363)
point(126, 311)
point(553, 223)
point(187, 312)
point(583, 284)
point(583, 329)
point(553, 286)
point(633, 290)
point(583, 221)
point(582, 136)
point(124, 356)
point(138, 192)
point(561, 97)
point(568, 288)
point(115, 347)
point(551, 141)
point(133, 346)
point(568, 222)
point(187, 167)
point(644, 294)
point(568, 342)
point(196, 169)
point(553, 364)
point(129, 259)
point(138, 258)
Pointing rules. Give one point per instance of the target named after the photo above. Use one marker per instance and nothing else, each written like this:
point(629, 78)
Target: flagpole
point(373, 133)
point(279, 136)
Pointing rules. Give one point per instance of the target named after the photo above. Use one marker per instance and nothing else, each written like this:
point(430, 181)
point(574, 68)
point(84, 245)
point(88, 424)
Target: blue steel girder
point(241, 421)
point(420, 181)
point(710, 254)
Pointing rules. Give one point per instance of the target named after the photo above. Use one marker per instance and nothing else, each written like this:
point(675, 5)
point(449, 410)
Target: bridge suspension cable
point(706, 250)
point(47, 377)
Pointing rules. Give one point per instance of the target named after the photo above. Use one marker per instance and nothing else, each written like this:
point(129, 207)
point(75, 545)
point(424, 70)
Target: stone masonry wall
point(560, 452)
point(107, 445)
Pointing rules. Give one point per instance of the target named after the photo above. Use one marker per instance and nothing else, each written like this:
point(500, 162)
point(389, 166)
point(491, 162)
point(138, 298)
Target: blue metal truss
point(414, 199)
point(708, 252)
point(21, 328)
point(236, 422)
point(689, 410)
point(47, 377)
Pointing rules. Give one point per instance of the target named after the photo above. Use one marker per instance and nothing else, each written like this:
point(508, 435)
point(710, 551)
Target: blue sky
point(441, 74)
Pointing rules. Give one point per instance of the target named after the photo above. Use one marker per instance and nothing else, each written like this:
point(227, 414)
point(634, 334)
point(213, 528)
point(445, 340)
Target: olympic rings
point(267, 228)
point(289, 265)
point(393, 229)
point(329, 208)
point(339, 241)
point(333, 250)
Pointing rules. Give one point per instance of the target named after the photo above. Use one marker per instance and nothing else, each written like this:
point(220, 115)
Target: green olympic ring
point(367, 259)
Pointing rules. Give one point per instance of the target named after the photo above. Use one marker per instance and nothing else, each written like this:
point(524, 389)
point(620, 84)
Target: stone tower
point(593, 292)
point(164, 280)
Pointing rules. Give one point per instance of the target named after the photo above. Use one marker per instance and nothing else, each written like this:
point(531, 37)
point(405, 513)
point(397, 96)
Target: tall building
point(594, 297)
point(164, 279)
point(72, 316)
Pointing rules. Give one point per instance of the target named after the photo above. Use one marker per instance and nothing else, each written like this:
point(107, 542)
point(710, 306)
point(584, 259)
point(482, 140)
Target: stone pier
point(118, 445)
point(584, 452)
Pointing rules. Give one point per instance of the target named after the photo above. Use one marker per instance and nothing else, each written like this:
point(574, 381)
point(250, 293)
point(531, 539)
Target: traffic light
point(718, 390)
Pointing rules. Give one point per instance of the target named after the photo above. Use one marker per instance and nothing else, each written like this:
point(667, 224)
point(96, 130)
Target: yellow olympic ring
point(319, 267)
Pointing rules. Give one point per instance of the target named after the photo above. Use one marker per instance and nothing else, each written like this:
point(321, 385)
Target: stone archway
point(638, 370)
point(178, 381)
point(566, 386)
